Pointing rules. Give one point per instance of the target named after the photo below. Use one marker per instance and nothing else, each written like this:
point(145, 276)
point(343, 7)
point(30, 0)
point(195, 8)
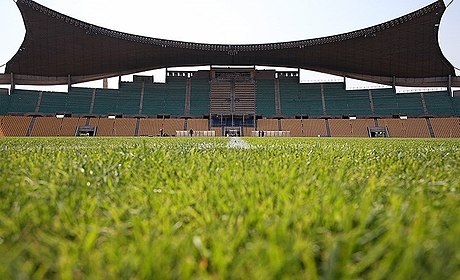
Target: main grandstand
point(238, 98)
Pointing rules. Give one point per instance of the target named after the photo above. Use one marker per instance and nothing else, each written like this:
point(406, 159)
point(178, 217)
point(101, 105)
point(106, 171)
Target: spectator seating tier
point(410, 128)
point(446, 127)
point(199, 100)
point(265, 97)
point(15, 126)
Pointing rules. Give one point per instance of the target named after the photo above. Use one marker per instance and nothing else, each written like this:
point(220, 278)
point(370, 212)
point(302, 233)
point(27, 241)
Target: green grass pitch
point(143, 208)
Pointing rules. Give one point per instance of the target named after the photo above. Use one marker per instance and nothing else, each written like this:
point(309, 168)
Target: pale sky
point(233, 21)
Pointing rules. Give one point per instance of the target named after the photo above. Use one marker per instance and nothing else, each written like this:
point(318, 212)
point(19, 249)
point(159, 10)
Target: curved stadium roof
point(404, 51)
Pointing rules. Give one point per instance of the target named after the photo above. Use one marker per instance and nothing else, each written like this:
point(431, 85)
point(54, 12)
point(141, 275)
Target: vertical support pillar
point(39, 102)
point(105, 83)
point(138, 125)
point(394, 84)
point(119, 81)
point(31, 126)
point(69, 83)
point(232, 98)
point(430, 127)
point(254, 95)
point(345, 82)
point(323, 99)
point(277, 97)
point(371, 102)
point(188, 94)
point(12, 83)
point(302, 131)
point(449, 86)
point(210, 96)
point(425, 108)
point(328, 128)
point(93, 98)
point(141, 102)
point(255, 102)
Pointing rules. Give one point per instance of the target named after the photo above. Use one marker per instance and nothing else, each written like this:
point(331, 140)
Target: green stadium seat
point(23, 101)
point(385, 103)
point(336, 99)
point(129, 98)
point(456, 105)
point(359, 103)
point(289, 96)
point(309, 100)
point(174, 100)
point(154, 99)
point(53, 102)
point(439, 103)
point(410, 104)
point(4, 103)
point(265, 97)
point(79, 101)
point(199, 100)
point(105, 101)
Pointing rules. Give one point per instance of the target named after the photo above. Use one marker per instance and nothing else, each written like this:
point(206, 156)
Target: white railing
point(271, 134)
point(196, 134)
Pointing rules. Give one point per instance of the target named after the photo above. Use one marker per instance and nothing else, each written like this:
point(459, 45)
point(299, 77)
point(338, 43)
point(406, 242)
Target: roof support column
point(69, 83)
point(12, 82)
point(394, 84)
point(449, 86)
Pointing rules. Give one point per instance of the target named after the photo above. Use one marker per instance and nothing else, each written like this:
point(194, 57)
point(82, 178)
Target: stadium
point(227, 164)
point(236, 98)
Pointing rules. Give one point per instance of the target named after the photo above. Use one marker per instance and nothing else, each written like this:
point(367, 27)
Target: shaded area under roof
point(404, 51)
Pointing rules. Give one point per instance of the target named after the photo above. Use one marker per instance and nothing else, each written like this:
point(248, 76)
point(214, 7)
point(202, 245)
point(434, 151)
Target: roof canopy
point(404, 51)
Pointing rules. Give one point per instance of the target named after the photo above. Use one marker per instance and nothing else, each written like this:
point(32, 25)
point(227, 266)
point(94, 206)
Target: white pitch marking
point(238, 143)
